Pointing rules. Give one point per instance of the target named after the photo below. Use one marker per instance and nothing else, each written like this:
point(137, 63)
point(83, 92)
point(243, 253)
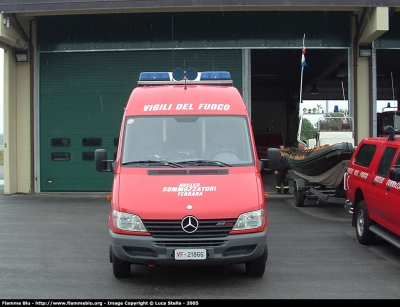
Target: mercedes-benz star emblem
point(189, 224)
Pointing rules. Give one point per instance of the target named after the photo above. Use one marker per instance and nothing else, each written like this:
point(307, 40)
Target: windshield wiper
point(154, 162)
point(204, 162)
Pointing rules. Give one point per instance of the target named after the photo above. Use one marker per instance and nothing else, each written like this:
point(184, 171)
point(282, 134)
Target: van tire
point(363, 222)
point(256, 267)
point(121, 269)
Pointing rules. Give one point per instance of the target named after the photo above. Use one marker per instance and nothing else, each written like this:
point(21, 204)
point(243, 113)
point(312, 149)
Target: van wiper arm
point(204, 162)
point(154, 162)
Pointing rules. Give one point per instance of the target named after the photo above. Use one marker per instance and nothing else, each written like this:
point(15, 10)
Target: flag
point(303, 58)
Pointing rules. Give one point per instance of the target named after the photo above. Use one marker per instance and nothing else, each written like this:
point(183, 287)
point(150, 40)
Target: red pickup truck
point(372, 185)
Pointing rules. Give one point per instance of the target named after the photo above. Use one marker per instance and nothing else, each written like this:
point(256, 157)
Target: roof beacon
point(190, 76)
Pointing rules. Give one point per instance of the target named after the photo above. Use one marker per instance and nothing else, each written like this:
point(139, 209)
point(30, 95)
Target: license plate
point(190, 254)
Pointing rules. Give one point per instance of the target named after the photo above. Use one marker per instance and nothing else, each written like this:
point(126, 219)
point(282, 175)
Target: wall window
point(60, 156)
point(61, 142)
point(91, 142)
point(88, 156)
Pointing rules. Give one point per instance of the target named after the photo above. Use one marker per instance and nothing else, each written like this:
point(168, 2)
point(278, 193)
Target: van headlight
point(250, 220)
point(126, 221)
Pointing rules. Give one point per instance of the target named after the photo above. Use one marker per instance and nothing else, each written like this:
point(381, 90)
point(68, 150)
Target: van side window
point(385, 162)
point(365, 155)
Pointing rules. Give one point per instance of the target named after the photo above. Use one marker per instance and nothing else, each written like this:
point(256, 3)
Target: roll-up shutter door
point(82, 98)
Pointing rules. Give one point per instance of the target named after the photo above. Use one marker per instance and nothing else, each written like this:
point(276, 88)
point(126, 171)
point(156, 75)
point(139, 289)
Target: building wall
point(267, 32)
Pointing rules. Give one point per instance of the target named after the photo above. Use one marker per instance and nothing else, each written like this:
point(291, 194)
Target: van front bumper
point(146, 250)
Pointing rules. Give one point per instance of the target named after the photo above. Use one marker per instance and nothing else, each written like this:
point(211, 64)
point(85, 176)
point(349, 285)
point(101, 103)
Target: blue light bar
point(336, 109)
point(215, 75)
point(154, 76)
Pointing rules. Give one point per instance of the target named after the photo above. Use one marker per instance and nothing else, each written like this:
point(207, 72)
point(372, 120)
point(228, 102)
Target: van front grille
point(173, 229)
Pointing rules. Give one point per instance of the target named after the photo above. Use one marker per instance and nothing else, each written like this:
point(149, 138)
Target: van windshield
point(181, 139)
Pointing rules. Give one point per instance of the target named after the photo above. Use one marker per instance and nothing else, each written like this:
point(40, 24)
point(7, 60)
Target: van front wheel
point(121, 269)
point(256, 267)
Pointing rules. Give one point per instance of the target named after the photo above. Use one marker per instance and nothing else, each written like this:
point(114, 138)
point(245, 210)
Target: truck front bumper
point(348, 206)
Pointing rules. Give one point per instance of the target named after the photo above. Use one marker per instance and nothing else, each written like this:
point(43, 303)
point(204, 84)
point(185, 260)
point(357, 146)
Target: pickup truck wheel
point(299, 197)
point(121, 269)
point(364, 235)
point(256, 267)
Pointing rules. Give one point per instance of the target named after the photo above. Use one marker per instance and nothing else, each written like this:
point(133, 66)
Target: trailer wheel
point(121, 269)
point(363, 222)
point(256, 267)
point(299, 197)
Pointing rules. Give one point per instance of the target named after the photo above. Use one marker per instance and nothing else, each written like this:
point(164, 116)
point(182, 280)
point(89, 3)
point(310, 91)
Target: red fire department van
point(372, 184)
point(187, 188)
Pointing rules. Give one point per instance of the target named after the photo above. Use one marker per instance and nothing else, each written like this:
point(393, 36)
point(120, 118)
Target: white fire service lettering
point(157, 107)
point(393, 184)
point(214, 106)
point(379, 179)
point(189, 189)
point(364, 175)
point(186, 106)
point(356, 172)
point(350, 170)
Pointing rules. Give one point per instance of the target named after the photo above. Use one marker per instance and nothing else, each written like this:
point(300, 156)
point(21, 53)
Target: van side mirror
point(394, 174)
point(101, 162)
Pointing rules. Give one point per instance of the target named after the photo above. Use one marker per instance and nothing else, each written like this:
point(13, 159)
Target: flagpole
point(303, 63)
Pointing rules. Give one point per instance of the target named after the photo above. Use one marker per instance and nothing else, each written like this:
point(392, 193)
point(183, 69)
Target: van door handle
point(388, 188)
point(373, 182)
